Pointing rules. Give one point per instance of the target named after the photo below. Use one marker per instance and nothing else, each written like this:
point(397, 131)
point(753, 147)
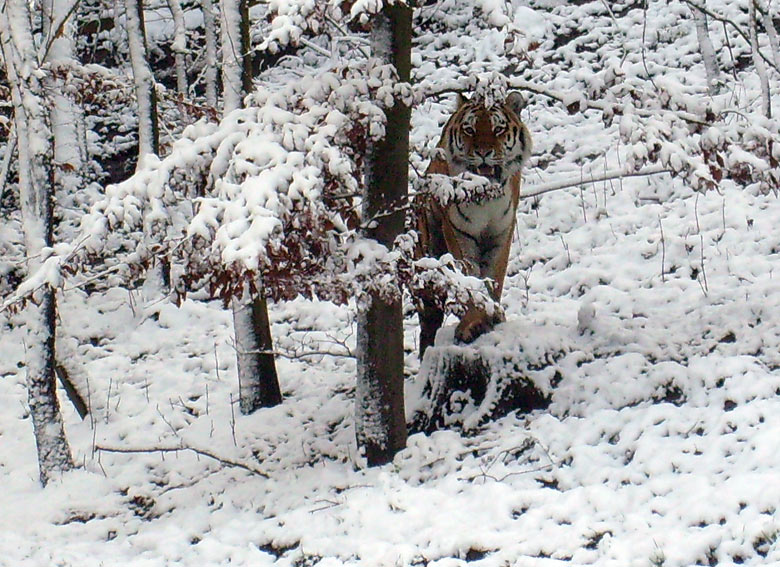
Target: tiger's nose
point(484, 155)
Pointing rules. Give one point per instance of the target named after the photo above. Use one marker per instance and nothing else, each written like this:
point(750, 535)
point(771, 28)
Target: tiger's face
point(489, 141)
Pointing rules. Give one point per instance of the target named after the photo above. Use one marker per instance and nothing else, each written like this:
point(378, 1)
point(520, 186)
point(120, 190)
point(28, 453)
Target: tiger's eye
point(468, 130)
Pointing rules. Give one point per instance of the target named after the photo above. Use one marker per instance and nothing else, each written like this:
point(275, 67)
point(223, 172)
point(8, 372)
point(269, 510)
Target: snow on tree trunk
point(258, 384)
point(36, 192)
point(380, 420)
point(179, 46)
point(766, 100)
point(705, 47)
point(771, 32)
point(236, 66)
point(210, 76)
point(257, 378)
point(157, 278)
point(66, 115)
point(146, 95)
point(68, 134)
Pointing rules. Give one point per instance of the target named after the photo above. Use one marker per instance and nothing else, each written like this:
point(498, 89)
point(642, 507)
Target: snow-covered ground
point(659, 447)
point(656, 306)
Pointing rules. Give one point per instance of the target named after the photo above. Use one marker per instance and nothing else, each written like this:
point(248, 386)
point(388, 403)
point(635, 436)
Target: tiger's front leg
point(481, 235)
point(492, 266)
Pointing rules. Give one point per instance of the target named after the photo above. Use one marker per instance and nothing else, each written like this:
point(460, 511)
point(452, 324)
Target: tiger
point(488, 139)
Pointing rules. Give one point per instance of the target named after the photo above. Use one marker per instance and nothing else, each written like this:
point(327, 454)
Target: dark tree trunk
point(380, 419)
point(258, 382)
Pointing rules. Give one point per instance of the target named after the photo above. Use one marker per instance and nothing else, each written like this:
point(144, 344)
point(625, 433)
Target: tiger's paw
point(476, 323)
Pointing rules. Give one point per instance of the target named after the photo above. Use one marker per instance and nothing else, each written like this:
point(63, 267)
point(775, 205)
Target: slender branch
point(603, 107)
point(315, 47)
point(56, 31)
point(606, 176)
point(201, 452)
point(346, 35)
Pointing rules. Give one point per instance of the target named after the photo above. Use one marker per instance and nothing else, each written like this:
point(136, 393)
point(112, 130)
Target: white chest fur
point(486, 218)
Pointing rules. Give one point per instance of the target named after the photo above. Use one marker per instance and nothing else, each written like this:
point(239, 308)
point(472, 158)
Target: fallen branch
point(201, 452)
point(606, 176)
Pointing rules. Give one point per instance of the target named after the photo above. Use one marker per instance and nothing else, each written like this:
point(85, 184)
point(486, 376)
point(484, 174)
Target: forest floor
point(659, 446)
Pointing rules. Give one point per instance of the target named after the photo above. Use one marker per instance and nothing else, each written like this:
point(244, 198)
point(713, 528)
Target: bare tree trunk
point(771, 32)
point(158, 276)
point(705, 47)
point(69, 138)
point(766, 100)
point(258, 384)
point(210, 27)
point(236, 62)
point(380, 420)
point(146, 95)
point(179, 46)
point(257, 377)
point(36, 192)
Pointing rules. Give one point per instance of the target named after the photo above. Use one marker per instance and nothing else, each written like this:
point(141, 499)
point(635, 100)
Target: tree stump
point(464, 386)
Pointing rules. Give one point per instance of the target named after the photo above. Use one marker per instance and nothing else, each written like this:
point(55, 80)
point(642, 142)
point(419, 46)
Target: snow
point(650, 314)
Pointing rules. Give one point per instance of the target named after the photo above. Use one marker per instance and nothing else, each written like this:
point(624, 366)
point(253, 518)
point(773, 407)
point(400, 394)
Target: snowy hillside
point(656, 308)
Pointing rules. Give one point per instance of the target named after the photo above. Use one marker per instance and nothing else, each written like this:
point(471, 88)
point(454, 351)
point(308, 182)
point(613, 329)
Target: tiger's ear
point(460, 100)
point(516, 101)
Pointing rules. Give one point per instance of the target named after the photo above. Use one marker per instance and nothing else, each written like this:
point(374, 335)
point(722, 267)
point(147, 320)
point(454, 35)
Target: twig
point(582, 199)
point(663, 251)
point(233, 420)
point(201, 452)
point(615, 174)
point(644, 30)
point(706, 287)
point(315, 47)
point(57, 31)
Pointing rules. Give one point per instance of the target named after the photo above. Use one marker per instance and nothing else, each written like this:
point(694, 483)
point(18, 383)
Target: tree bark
point(380, 420)
point(68, 136)
point(179, 47)
point(766, 99)
point(258, 384)
point(210, 30)
point(257, 378)
point(705, 48)
point(145, 92)
point(236, 62)
point(36, 192)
